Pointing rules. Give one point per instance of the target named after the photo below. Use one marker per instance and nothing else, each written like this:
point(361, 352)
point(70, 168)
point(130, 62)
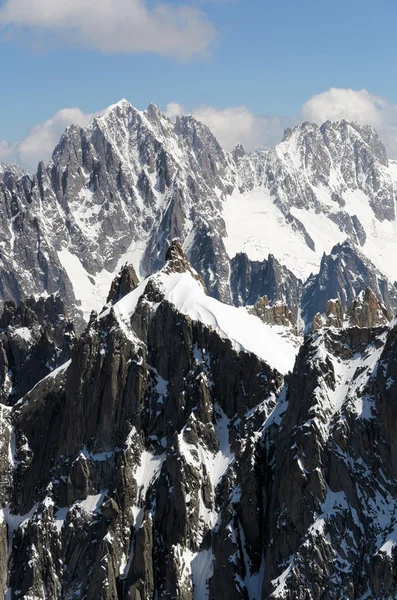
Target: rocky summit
point(198, 366)
point(299, 223)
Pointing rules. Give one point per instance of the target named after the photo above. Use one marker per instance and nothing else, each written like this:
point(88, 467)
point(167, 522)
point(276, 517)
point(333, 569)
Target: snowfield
point(256, 226)
point(274, 344)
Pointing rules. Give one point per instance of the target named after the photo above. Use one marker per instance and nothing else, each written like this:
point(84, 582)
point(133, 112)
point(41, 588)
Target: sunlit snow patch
point(245, 331)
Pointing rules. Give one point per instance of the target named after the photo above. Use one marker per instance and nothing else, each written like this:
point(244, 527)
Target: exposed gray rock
point(123, 403)
point(150, 458)
point(132, 181)
point(126, 281)
point(251, 280)
point(35, 338)
point(344, 274)
point(277, 314)
point(367, 311)
point(159, 461)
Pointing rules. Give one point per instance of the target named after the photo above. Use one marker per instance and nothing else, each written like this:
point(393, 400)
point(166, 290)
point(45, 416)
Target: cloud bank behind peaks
point(231, 126)
point(235, 125)
point(112, 26)
point(238, 124)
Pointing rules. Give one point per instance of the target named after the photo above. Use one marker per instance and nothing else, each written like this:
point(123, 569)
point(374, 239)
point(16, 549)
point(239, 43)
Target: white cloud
point(351, 105)
point(173, 110)
point(114, 25)
point(235, 125)
point(238, 124)
point(7, 153)
point(41, 139)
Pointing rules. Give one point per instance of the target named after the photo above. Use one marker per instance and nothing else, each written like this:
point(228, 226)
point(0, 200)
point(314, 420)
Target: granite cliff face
point(188, 449)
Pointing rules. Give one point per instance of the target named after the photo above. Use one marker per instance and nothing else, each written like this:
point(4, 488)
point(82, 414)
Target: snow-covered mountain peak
point(154, 112)
point(14, 169)
point(330, 145)
point(120, 189)
point(179, 284)
point(319, 186)
point(122, 106)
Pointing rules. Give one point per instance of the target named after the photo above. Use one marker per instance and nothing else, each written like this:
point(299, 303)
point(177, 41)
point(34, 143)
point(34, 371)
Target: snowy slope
point(247, 333)
point(257, 227)
point(311, 183)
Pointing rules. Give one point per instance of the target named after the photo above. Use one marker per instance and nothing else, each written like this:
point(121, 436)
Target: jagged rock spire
point(367, 311)
point(278, 314)
point(126, 281)
point(177, 262)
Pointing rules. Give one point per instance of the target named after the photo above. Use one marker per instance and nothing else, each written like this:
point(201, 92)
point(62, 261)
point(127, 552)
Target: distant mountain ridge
point(120, 189)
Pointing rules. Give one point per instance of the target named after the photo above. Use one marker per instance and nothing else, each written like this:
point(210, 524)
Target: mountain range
point(198, 360)
point(122, 188)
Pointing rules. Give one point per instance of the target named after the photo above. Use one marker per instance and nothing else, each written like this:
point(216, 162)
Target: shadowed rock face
point(159, 461)
point(252, 280)
point(329, 519)
point(126, 281)
point(35, 338)
point(147, 426)
point(344, 274)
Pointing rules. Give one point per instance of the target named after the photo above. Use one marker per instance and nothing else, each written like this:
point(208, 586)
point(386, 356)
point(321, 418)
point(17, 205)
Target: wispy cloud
point(355, 105)
point(111, 26)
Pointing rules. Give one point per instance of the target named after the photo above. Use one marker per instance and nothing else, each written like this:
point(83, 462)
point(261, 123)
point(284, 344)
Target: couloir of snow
point(93, 290)
point(273, 344)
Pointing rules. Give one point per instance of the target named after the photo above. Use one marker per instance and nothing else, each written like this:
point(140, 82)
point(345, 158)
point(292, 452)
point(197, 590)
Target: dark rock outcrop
point(125, 282)
point(251, 280)
point(119, 405)
point(35, 338)
point(367, 311)
point(344, 274)
point(159, 461)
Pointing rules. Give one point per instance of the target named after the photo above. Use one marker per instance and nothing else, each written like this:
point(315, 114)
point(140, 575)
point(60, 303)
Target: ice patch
point(92, 503)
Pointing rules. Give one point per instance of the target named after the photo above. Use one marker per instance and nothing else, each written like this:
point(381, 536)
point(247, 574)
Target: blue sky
point(269, 57)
